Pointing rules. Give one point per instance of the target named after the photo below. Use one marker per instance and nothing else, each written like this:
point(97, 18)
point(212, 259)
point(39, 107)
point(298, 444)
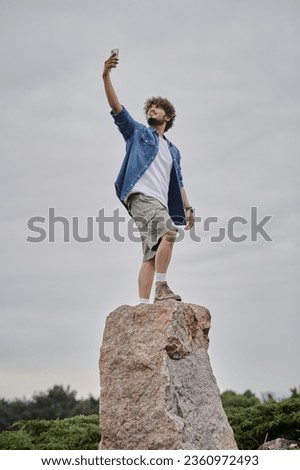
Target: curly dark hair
point(166, 105)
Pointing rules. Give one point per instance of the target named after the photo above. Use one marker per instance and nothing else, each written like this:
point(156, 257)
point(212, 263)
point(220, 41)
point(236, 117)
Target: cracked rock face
point(158, 390)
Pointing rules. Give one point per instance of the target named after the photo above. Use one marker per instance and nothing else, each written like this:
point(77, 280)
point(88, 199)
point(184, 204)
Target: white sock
point(161, 277)
point(144, 301)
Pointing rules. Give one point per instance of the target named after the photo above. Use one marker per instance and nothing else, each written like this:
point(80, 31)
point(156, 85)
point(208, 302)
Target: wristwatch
point(189, 209)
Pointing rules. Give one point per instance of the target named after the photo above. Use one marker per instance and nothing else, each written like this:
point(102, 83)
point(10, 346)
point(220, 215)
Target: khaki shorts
point(152, 219)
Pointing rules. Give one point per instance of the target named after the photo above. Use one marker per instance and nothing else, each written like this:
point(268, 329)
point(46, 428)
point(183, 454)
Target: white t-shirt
point(155, 181)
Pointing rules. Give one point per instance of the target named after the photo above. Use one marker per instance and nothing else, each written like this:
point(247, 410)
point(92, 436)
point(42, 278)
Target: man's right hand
point(113, 101)
point(109, 64)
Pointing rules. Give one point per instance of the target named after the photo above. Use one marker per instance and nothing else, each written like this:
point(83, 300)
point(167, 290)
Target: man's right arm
point(111, 95)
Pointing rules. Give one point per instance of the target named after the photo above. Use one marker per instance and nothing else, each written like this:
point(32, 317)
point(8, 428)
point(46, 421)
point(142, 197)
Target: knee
point(170, 236)
point(149, 262)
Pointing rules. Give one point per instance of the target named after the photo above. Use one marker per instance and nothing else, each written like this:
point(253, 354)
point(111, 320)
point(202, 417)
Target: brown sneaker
point(163, 292)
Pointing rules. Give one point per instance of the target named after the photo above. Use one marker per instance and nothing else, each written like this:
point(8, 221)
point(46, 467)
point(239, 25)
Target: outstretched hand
point(109, 64)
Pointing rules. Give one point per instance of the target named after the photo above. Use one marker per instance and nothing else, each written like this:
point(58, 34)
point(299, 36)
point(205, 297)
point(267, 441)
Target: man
point(150, 185)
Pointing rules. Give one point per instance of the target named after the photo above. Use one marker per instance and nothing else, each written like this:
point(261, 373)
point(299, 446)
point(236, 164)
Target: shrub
point(78, 433)
point(268, 421)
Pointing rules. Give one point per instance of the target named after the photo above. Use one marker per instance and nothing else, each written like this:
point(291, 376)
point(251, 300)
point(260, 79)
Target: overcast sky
point(231, 67)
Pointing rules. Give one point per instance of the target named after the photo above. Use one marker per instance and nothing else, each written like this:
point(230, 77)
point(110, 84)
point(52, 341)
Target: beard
point(152, 121)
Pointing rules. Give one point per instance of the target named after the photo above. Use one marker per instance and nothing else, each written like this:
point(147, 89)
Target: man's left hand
point(190, 218)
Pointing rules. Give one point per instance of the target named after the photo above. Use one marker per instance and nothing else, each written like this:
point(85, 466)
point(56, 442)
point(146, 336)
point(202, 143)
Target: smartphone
point(115, 51)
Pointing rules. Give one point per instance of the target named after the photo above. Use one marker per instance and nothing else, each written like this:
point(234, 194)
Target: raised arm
point(111, 95)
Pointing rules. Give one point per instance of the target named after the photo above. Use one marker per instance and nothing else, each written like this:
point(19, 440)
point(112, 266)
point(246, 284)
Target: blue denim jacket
point(141, 149)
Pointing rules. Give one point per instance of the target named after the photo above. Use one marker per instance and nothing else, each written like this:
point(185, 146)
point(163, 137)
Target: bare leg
point(162, 261)
point(146, 277)
point(159, 264)
point(164, 252)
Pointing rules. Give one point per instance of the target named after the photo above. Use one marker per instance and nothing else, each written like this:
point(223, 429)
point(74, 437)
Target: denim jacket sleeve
point(125, 122)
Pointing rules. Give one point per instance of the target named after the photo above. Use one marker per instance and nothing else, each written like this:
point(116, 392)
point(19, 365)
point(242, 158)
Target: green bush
point(57, 402)
point(78, 433)
point(268, 421)
point(232, 399)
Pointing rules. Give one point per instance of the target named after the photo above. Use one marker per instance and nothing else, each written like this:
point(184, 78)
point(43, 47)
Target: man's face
point(156, 116)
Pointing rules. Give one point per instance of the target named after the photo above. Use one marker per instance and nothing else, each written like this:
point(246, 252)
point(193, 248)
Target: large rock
point(158, 390)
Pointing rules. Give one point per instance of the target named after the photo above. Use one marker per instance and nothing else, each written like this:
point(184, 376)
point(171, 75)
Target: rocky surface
point(158, 390)
point(280, 444)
